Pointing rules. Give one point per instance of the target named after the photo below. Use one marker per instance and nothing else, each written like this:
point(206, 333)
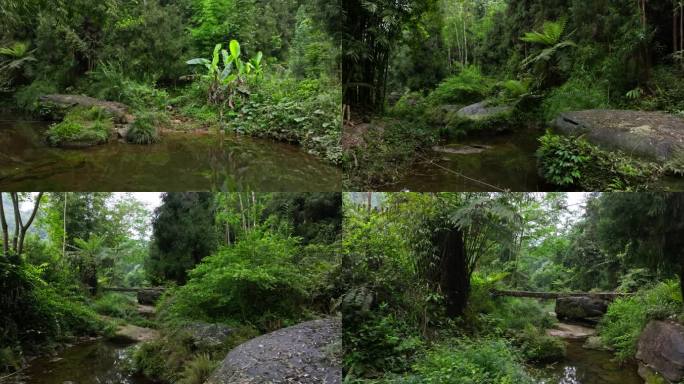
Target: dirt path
point(302, 354)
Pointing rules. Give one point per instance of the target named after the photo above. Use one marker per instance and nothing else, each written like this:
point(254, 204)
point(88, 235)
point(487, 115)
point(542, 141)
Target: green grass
point(82, 126)
point(121, 306)
point(144, 130)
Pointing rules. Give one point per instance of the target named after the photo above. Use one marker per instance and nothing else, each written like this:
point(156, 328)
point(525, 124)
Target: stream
point(180, 162)
point(94, 362)
point(509, 163)
point(587, 366)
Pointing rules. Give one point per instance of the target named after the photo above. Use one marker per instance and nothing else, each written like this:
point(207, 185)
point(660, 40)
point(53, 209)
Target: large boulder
point(301, 354)
point(149, 296)
point(653, 135)
point(583, 308)
point(661, 349)
point(65, 102)
point(483, 111)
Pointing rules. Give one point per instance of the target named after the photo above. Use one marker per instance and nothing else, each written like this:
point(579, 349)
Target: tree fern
point(551, 33)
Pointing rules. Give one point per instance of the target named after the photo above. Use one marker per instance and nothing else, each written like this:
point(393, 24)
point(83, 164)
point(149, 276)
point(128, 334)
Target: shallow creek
point(180, 162)
point(94, 362)
point(586, 366)
point(507, 162)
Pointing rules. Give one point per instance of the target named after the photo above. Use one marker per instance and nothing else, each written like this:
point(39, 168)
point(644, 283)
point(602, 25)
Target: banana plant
point(224, 82)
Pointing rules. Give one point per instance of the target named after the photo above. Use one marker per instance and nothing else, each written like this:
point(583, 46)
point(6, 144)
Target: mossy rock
point(82, 127)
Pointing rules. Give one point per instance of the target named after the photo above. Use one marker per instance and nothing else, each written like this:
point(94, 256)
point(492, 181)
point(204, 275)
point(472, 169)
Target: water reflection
point(585, 366)
point(98, 362)
point(180, 162)
point(509, 164)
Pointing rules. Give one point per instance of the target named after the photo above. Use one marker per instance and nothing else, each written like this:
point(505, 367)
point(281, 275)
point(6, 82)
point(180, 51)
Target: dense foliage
point(420, 270)
point(428, 59)
point(277, 77)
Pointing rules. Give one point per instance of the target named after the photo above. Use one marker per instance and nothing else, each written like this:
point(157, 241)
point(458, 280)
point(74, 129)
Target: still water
point(509, 163)
point(96, 362)
point(181, 162)
point(585, 366)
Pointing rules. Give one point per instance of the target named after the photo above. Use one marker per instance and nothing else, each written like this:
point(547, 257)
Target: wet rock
point(208, 335)
point(580, 308)
point(570, 331)
point(461, 149)
point(149, 296)
point(654, 135)
point(299, 354)
point(650, 376)
point(482, 111)
point(134, 333)
point(65, 102)
point(661, 348)
point(595, 343)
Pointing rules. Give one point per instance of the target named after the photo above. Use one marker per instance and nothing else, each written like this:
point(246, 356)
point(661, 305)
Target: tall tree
point(183, 233)
point(21, 227)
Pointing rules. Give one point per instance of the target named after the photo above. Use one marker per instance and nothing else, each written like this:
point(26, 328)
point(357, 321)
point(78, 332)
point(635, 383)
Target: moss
point(81, 127)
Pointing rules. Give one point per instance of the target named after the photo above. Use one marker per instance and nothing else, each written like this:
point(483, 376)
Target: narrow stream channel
point(587, 366)
point(508, 164)
point(181, 162)
point(95, 362)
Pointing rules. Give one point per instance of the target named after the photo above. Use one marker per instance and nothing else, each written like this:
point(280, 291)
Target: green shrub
point(621, 326)
point(484, 361)
point(299, 111)
point(28, 98)
point(256, 280)
point(144, 129)
point(465, 88)
point(108, 82)
point(573, 161)
point(410, 106)
point(198, 370)
point(578, 93)
point(378, 343)
point(538, 347)
point(82, 125)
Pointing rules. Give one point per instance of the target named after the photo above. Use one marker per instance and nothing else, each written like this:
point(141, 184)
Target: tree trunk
point(455, 276)
point(3, 223)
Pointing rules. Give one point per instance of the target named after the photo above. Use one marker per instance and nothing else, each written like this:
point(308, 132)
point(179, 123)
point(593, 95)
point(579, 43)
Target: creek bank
point(661, 352)
point(302, 354)
point(656, 136)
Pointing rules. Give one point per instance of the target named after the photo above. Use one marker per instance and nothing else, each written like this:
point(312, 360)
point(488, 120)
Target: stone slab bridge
point(578, 306)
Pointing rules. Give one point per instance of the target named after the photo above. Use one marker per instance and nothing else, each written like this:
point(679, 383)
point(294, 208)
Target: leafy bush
point(467, 87)
point(109, 82)
point(621, 326)
point(144, 129)
point(561, 159)
point(571, 161)
point(82, 125)
point(538, 347)
point(300, 111)
point(578, 93)
point(485, 361)
point(379, 343)
point(256, 280)
point(27, 98)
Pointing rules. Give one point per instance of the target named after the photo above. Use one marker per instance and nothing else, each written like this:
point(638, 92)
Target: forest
point(110, 288)
point(204, 87)
point(492, 288)
point(513, 95)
